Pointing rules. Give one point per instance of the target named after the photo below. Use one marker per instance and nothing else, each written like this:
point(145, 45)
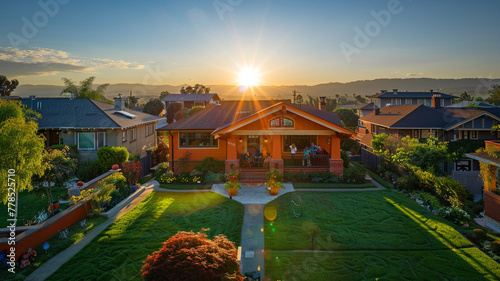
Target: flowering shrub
point(83, 194)
point(456, 215)
point(132, 171)
point(196, 179)
point(167, 178)
point(185, 179)
point(229, 184)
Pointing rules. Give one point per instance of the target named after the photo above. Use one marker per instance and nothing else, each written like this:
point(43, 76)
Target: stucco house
point(396, 97)
point(264, 128)
point(91, 124)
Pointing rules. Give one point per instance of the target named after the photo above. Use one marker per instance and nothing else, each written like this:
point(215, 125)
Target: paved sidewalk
point(48, 268)
point(252, 195)
point(252, 240)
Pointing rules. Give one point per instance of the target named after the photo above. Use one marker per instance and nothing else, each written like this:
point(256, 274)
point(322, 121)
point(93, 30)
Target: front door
point(253, 144)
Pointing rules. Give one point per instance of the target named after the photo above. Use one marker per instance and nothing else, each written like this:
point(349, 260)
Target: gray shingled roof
point(190, 97)
point(229, 112)
point(84, 113)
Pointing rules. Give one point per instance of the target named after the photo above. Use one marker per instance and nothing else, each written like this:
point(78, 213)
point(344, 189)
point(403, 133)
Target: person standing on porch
point(293, 150)
point(306, 157)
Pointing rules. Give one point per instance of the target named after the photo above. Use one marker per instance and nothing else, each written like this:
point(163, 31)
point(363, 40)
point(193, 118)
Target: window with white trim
point(133, 134)
point(197, 140)
point(124, 136)
point(149, 130)
point(281, 122)
point(473, 135)
point(91, 140)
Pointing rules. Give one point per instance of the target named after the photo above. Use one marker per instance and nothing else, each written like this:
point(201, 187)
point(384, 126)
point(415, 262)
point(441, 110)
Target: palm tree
point(85, 90)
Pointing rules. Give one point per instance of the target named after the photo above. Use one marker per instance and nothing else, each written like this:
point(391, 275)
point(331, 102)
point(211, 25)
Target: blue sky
point(290, 42)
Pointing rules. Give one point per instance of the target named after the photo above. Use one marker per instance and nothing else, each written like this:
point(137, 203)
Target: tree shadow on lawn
point(355, 226)
point(118, 252)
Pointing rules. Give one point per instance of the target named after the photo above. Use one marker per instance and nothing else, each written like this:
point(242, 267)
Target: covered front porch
point(264, 152)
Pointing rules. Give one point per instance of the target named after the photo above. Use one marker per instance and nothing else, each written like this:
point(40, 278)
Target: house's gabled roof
point(65, 113)
point(406, 116)
point(311, 113)
point(422, 117)
point(190, 97)
point(417, 95)
point(219, 117)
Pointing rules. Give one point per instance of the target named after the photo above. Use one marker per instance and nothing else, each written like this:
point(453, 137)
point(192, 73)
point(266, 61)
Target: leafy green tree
point(348, 117)
point(163, 95)
point(196, 89)
point(20, 147)
point(494, 93)
point(154, 107)
point(465, 97)
point(84, 90)
point(59, 169)
point(7, 86)
point(478, 99)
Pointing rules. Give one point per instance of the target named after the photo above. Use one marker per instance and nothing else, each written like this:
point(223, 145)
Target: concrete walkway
point(49, 267)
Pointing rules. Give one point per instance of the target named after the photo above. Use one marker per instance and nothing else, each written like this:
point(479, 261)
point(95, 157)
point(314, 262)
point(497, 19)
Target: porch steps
point(253, 175)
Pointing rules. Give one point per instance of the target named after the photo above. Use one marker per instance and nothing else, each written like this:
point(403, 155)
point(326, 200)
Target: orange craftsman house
point(258, 134)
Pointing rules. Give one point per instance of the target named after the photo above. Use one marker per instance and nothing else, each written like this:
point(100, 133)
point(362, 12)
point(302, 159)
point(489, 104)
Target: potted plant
point(232, 187)
point(232, 177)
point(273, 183)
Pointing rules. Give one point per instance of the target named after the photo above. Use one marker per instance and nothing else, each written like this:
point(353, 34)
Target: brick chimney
point(376, 111)
point(322, 103)
point(436, 101)
point(120, 103)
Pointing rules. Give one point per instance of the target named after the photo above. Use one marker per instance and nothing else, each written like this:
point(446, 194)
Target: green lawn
point(367, 235)
point(118, 252)
point(30, 204)
point(75, 234)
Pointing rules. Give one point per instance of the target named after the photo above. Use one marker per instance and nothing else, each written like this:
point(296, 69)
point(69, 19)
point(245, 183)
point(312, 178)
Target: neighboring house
point(190, 100)
point(491, 196)
point(385, 98)
point(447, 124)
point(91, 124)
point(362, 109)
point(233, 128)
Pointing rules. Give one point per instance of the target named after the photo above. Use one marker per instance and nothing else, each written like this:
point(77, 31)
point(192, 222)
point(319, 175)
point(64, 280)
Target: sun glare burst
point(248, 77)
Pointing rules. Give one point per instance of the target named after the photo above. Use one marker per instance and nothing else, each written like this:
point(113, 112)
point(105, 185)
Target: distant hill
point(473, 86)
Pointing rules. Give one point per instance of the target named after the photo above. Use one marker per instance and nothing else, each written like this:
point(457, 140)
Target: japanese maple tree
point(193, 256)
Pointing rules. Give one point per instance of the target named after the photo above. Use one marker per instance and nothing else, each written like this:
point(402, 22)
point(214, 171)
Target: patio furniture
point(258, 160)
point(247, 161)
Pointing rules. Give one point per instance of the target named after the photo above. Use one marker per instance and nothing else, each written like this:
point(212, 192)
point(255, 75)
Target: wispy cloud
point(414, 74)
point(44, 61)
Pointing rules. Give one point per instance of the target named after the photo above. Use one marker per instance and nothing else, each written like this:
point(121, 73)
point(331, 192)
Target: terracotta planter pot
point(115, 167)
point(80, 183)
point(232, 191)
point(274, 191)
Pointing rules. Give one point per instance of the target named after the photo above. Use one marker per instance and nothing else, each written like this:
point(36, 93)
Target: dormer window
point(281, 122)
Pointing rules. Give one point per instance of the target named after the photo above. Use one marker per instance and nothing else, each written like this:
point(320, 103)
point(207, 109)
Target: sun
point(248, 77)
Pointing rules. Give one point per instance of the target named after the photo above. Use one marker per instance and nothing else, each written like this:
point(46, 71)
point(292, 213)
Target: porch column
point(276, 161)
point(232, 161)
point(336, 162)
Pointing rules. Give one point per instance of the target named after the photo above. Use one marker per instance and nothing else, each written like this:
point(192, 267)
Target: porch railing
point(321, 160)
